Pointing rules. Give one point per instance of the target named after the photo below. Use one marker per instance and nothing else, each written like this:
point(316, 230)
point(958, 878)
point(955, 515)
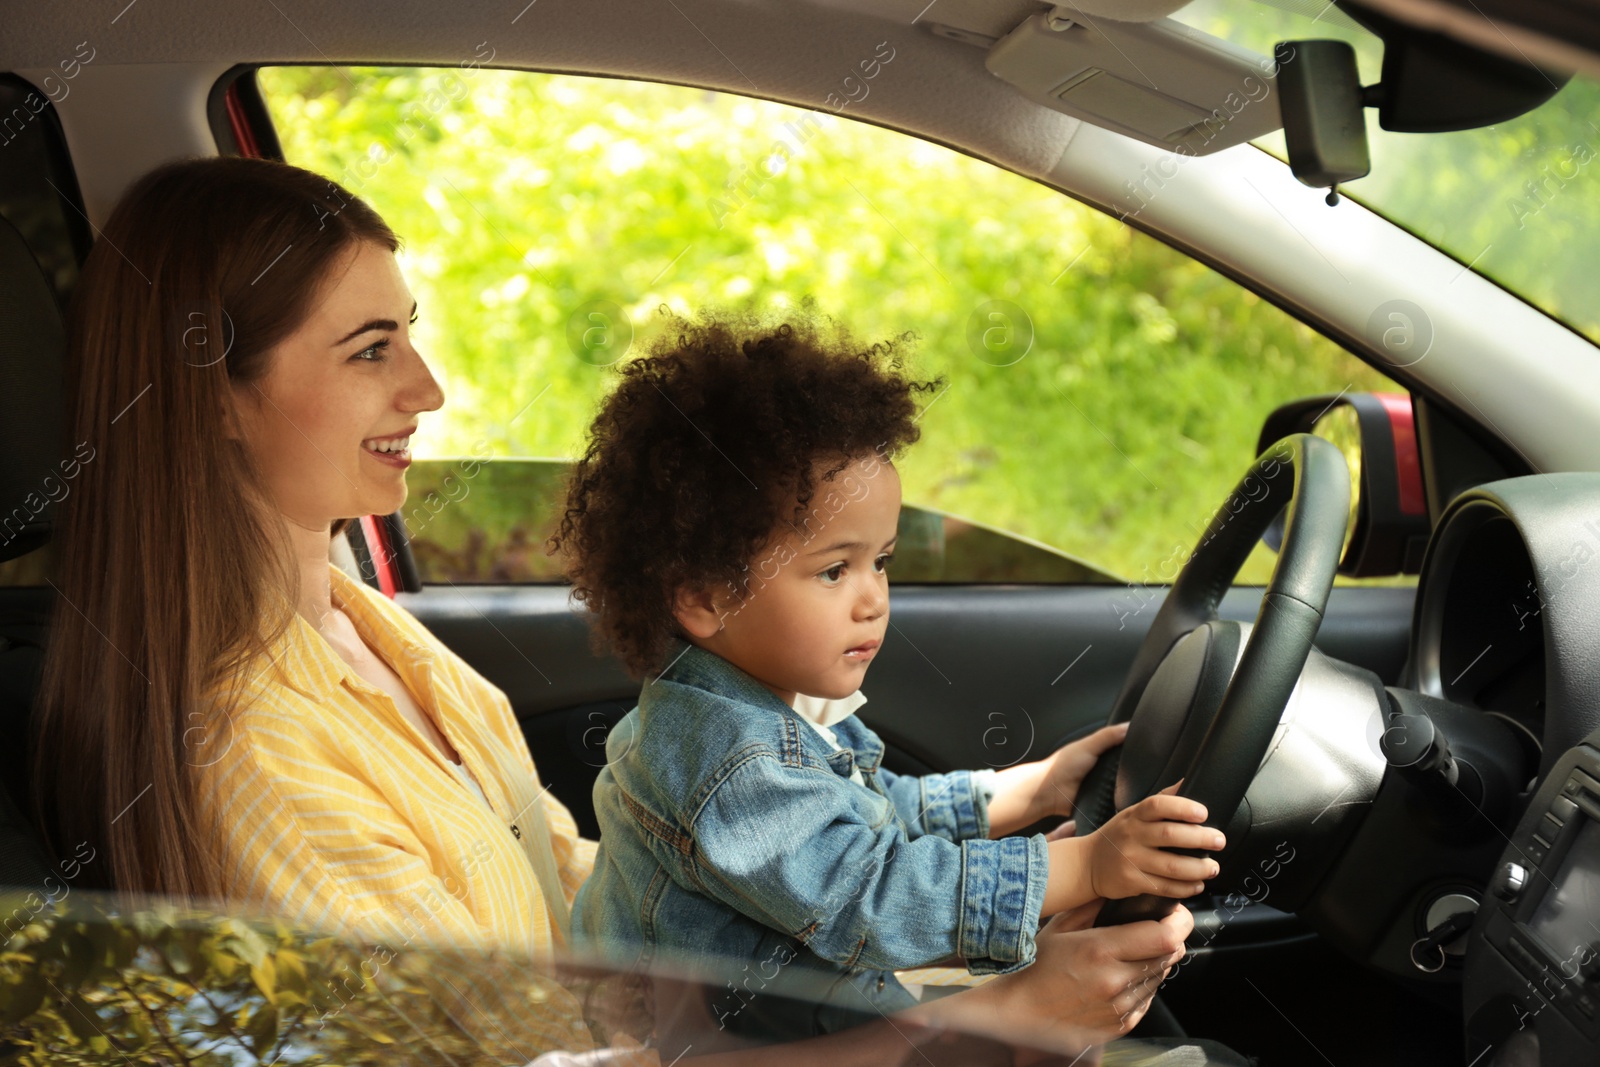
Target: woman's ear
point(695, 608)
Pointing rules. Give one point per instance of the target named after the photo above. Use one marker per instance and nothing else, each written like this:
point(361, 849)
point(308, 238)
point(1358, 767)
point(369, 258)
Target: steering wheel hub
point(1176, 710)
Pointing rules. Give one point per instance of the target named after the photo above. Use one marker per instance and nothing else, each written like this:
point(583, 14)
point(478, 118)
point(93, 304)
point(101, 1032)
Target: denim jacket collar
point(690, 664)
point(865, 744)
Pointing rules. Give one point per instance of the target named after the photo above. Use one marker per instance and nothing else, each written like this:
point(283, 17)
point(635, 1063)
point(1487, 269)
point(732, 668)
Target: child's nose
point(874, 600)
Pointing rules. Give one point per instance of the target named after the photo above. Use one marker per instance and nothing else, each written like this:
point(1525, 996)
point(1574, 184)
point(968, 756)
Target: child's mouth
point(863, 652)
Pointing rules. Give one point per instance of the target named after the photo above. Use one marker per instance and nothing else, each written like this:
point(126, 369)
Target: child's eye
point(412, 321)
point(373, 353)
point(832, 575)
point(883, 561)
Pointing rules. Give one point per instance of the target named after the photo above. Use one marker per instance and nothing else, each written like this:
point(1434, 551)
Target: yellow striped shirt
point(334, 812)
point(339, 815)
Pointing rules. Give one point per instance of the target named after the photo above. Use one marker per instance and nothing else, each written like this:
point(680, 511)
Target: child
point(729, 526)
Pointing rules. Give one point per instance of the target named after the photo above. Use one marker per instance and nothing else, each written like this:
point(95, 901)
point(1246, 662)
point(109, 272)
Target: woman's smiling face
point(346, 384)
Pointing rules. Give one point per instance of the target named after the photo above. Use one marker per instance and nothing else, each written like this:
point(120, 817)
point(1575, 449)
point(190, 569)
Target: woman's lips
point(392, 459)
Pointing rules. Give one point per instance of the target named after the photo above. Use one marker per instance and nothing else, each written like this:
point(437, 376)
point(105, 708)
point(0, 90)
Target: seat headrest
point(32, 420)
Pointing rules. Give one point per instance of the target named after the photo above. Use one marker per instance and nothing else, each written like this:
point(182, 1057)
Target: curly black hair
point(707, 441)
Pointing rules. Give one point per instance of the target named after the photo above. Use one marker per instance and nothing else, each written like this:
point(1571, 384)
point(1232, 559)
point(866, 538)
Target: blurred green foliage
point(1110, 421)
point(498, 546)
point(95, 981)
point(1514, 199)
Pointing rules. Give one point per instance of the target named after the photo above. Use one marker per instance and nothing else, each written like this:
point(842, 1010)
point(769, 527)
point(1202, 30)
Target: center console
point(1532, 984)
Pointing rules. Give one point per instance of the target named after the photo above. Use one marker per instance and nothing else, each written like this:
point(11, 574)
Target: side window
point(1105, 391)
point(39, 199)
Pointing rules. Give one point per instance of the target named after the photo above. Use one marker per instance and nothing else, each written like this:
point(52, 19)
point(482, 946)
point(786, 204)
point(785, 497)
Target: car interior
point(1413, 870)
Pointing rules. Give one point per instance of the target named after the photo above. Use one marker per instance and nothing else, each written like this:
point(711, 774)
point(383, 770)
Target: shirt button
point(880, 983)
point(516, 833)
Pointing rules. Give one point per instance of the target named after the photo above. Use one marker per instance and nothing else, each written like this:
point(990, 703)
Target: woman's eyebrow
point(374, 324)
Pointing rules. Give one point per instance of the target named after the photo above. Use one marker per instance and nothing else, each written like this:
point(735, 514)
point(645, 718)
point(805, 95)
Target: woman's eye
point(832, 575)
point(373, 353)
point(883, 561)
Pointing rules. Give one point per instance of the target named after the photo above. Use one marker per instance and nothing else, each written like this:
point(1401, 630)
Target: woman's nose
point(422, 392)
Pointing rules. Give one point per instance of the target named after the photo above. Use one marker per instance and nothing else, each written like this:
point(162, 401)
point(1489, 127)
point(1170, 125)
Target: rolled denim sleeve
point(954, 806)
point(815, 857)
point(1002, 894)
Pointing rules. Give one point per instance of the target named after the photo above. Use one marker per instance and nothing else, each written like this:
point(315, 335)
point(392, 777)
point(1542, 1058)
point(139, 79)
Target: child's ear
point(695, 608)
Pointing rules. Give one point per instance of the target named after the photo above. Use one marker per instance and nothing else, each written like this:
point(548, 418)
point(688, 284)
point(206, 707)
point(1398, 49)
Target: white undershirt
point(821, 713)
point(472, 783)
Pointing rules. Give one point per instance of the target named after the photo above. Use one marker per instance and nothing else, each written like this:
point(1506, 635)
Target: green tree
point(527, 201)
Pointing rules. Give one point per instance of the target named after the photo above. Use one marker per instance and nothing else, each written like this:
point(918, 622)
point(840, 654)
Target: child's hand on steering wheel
point(1067, 766)
point(1128, 856)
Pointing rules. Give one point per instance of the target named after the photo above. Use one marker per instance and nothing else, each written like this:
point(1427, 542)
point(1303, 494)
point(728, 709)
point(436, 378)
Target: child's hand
point(1066, 768)
point(1127, 857)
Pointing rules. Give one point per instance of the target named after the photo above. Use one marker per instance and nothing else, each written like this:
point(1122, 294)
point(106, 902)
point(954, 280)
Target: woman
point(234, 717)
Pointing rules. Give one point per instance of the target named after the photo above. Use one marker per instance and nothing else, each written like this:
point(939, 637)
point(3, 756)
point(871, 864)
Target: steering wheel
point(1202, 709)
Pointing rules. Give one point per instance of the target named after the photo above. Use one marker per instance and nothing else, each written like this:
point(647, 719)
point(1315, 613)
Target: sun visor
point(1124, 10)
point(1160, 82)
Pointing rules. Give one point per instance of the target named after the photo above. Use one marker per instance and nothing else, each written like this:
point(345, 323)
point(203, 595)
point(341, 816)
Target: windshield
point(1513, 201)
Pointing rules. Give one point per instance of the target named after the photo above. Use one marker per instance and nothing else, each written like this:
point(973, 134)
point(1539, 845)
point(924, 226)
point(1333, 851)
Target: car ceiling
point(161, 59)
point(793, 52)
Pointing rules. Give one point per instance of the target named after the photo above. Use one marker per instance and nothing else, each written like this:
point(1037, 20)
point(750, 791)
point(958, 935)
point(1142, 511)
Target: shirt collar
point(691, 664)
point(826, 712)
point(309, 665)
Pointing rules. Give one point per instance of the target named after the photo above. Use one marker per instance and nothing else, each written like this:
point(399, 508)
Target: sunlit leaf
point(262, 1029)
point(265, 976)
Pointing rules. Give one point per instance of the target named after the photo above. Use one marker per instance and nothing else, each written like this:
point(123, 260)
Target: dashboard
point(1532, 983)
point(1508, 623)
point(1480, 621)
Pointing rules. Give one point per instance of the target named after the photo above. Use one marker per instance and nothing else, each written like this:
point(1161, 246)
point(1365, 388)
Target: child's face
point(818, 600)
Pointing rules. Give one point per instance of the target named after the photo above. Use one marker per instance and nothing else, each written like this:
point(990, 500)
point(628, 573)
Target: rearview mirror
point(1389, 521)
point(1320, 100)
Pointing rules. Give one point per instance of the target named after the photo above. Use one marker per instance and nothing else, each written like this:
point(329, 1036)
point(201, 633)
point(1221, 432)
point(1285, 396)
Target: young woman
point(227, 716)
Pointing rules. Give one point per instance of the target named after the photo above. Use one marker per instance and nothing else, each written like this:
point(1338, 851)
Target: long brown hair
point(174, 575)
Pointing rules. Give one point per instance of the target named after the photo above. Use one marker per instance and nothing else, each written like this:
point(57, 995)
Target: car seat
point(32, 432)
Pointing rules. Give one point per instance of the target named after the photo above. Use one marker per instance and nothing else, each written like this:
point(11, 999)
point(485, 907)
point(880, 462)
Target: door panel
point(969, 676)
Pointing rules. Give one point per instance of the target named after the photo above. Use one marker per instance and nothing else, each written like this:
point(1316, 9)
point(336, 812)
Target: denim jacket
point(732, 839)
